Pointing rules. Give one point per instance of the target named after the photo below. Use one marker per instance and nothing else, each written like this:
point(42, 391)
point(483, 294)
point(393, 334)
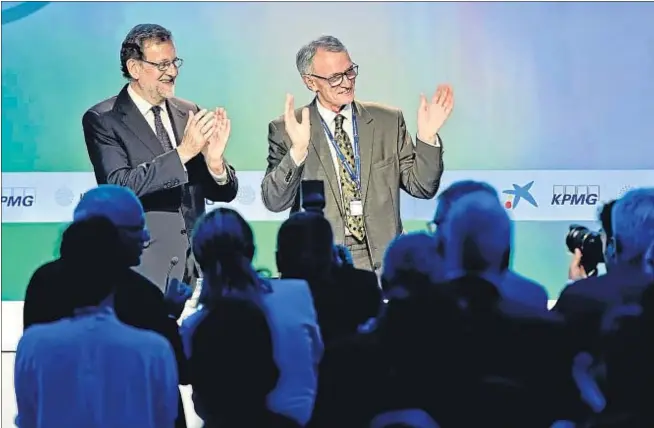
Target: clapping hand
point(433, 114)
point(215, 148)
point(299, 132)
point(176, 295)
point(199, 128)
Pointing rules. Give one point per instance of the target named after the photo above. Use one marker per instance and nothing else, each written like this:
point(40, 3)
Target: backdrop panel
point(555, 93)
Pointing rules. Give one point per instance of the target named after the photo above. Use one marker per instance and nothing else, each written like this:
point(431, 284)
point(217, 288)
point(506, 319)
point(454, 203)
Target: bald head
point(115, 203)
point(478, 234)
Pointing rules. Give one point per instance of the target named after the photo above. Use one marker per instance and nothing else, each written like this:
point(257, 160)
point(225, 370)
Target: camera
point(589, 243)
point(312, 194)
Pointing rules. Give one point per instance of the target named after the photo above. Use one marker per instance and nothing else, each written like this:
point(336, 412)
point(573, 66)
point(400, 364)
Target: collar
point(328, 116)
point(141, 103)
point(95, 310)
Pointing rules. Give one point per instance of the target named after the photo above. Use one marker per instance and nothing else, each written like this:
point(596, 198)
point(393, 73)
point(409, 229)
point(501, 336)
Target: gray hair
point(304, 57)
point(477, 232)
point(633, 223)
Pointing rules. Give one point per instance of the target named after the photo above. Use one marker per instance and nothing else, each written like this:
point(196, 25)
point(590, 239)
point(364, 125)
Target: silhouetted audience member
point(513, 285)
point(410, 263)
point(137, 301)
point(77, 371)
point(576, 271)
point(584, 302)
point(344, 297)
point(223, 245)
point(232, 366)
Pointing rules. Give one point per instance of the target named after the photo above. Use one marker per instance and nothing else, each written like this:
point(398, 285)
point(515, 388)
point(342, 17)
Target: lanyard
point(356, 174)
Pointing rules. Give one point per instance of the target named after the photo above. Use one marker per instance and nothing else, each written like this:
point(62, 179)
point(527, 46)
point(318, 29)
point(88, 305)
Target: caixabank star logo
point(517, 194)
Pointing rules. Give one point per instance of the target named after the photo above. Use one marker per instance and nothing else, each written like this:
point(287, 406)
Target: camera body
point(312, 196)
point(589, 243)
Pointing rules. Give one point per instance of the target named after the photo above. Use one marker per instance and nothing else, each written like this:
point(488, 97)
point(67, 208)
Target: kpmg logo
point(575, 194)
point(18, 197)
point(517, 194)
point(13, 11)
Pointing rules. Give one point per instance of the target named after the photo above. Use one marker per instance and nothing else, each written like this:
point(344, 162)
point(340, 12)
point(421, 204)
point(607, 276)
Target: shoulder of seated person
point(288, 282)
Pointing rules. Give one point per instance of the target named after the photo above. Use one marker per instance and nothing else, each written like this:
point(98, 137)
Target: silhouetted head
point(305, 246)
point(124, 210)
point(223, 245)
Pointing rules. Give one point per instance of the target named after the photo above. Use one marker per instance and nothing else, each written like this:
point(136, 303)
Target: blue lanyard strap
point(355, 174)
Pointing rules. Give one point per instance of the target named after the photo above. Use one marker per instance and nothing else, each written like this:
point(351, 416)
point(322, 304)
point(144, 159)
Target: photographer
point(584, 302)
point(580, 239)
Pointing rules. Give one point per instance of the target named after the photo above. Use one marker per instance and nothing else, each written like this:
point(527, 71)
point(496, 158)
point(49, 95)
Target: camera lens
point(575, 237)
point(588, 242)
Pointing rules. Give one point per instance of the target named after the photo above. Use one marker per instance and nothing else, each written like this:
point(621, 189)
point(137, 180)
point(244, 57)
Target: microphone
point(173, 263)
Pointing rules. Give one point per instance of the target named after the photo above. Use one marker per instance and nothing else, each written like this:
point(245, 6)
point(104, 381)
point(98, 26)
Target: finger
point(208, 125)
point(199, 115)
point(209, 131)
point(228, 127)
point(207, 118)
point(219, 113)
point(423, 102)
point(305, 115)
point(288, 111)
point(439, 95)
point(447, 99)
point(190, 119)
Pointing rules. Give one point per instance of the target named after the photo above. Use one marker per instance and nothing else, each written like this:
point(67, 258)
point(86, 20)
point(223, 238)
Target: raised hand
point(215, 148)
point(199, 127)
point(299, 132)
point(433, 114)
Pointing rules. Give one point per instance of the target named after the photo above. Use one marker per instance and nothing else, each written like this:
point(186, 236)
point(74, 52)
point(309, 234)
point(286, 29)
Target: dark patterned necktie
point(164, 138)
point(349, 189)
point(160, 130)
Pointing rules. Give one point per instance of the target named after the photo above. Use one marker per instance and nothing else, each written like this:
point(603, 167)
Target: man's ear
point(310, 83)
point(134, 68)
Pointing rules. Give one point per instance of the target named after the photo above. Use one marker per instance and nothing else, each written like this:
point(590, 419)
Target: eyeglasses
point(336, 79)
point(165, 65)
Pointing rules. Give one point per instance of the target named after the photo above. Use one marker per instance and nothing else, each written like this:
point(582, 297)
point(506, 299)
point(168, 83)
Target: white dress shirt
point(145, 108)
point(92, 370)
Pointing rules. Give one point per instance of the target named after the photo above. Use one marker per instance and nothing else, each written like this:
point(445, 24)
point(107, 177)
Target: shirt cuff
point(437, 143)
point(221, 179)
point(300, 161)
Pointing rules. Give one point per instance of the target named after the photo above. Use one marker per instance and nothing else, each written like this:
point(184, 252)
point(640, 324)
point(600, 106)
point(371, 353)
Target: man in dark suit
point(362, 151)
point(167, 150)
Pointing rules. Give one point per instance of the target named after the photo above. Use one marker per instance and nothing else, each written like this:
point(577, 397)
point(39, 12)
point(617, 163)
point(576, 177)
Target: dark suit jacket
point(344, 301)
point(583, 303)
point(125, 151)
point(389, 162)
point(137, 302)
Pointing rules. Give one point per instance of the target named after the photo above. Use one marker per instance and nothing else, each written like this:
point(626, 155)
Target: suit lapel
point(319, 144)
point(366, 145)
point(178, 117)
point(135, 121)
